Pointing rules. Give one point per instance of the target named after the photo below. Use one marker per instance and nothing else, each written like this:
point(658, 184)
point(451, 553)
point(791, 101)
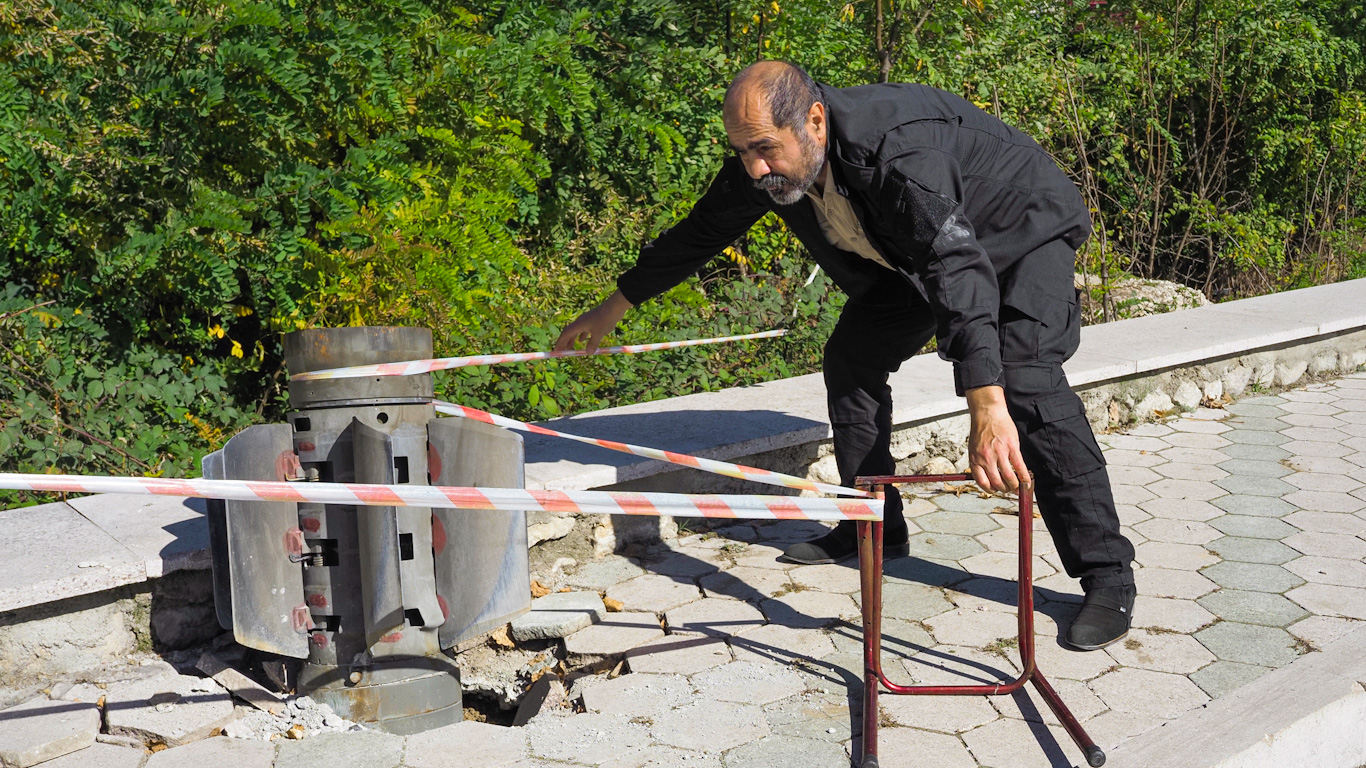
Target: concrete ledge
point(1307, 713)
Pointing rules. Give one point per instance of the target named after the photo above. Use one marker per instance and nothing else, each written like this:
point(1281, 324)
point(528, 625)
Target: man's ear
point(815, 121)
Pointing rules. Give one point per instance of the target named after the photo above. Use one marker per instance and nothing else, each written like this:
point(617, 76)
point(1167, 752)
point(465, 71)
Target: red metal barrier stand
point(870, 579)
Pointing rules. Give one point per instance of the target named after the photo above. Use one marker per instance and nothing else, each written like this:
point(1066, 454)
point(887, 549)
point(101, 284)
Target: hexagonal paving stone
point(961, 523)
point(714, 616)
point(947, 714)
point(912, 602)
point(1260, 506)
point(603, 573)
point(1318, 448)
point(1244, 607)
point(1150, 429)
point(783, 645)
point(1133, 475)
point(1183, 471)
point(1324, 501)
point(1131, 494)
point(1160, 652)
point(747, 682)
point(944, 546)
point(1255, 468)
point(1186, 489)
point(925, 571)
point(655, 594)
point(1144, 692)
point(977, 629)
point(991, 594)
point(1177, 531)
point(752, 584)
point(1026, 704)
point(1329, 570)
point(1169, 614)
point(1182, 509)
point(1328, 522)
point(1129, 515)
point(1254, 577)
point(1259, 424)
point(1322, 544)
point(972, 503)
point(1317, 405)
point(1319, 631)
point(1251, 485)
point(958, 665)
point(684, 565)
point(1331, 600)
point(1249, 644)
point(1122, 458)
point(1221, 677)
point(1312, 434)
point(1256, 437)
point(1196, 440)
point(1179, 556)
point(912, 748)
point(1131, 442)
point(1252, 550)
point(368, 748)
point(1022, 744)
point(1249, 526)
point(630, 695)
point(1204, 426)
point(810, 609)
point(678, 655)
point(1165, 582)
point(837, 578)
point(1004, 565)
point(773, 751)
point(1321, 464)
point(1255, 452)
point(714, 726)
point(1324, 481)
point(1193, 456)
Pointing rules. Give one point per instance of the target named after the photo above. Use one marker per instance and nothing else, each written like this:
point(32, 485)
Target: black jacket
point(954, 199)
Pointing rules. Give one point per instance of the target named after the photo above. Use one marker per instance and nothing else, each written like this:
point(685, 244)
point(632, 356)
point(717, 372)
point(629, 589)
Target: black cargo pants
point(877, 333)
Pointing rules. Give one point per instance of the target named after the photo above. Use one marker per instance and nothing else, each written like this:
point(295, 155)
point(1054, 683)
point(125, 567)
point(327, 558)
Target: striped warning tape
point(413, 367)
point(591, 502)
point(726, 468)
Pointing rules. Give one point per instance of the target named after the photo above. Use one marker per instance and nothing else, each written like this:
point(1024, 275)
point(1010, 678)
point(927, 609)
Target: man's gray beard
point(783, 190)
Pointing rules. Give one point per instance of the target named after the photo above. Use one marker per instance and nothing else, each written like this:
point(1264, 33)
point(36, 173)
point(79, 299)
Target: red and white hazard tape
point(590, 502)
point(726, 468)
point(413, 367)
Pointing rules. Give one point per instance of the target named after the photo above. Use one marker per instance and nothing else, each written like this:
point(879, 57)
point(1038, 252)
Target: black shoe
point(840, 544)
point(1104, 618)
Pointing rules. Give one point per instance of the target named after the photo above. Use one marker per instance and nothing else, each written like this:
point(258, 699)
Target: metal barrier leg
point(870, 582)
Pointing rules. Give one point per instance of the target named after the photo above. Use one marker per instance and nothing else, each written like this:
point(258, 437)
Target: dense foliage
point(181, 181)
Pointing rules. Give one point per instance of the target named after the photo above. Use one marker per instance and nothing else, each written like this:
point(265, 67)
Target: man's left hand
point(994, 443)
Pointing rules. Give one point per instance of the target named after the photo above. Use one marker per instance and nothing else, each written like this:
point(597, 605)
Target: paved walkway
point(1250, 524)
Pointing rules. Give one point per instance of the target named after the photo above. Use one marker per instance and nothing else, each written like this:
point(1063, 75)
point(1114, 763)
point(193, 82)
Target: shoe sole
point(891, 552)
point(1077, 647)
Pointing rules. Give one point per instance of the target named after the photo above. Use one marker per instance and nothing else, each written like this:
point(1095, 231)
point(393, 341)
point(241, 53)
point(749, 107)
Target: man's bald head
point(781, 88)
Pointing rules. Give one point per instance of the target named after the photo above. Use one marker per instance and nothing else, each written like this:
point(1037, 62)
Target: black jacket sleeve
point(728, 209)
point(924, 188)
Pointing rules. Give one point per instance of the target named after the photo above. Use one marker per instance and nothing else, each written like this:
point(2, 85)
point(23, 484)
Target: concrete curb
point(1310, 712)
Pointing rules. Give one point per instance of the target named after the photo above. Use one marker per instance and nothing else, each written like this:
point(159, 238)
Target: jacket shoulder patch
point(922, 212)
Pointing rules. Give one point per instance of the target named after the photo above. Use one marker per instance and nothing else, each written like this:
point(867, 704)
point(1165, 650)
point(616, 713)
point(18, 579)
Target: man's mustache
point(773, 181)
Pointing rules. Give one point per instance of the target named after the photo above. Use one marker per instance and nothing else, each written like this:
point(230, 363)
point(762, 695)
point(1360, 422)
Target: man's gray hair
point(789, 90)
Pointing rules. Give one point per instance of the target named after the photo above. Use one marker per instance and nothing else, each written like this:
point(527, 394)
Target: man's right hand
point(591, 326)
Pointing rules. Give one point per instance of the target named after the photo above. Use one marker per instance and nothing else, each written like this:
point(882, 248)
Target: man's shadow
point(1058, 606)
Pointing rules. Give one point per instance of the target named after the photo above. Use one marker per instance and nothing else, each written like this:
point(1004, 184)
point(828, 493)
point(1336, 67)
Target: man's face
point(784, 162)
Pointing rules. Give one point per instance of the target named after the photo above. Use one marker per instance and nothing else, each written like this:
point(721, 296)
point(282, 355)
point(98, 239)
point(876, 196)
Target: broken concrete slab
point(169, 709)
point(557, 615)
point(50, 552)
point(545, 695)
point(239, 685)
point(41, 730)
point(238, 753)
